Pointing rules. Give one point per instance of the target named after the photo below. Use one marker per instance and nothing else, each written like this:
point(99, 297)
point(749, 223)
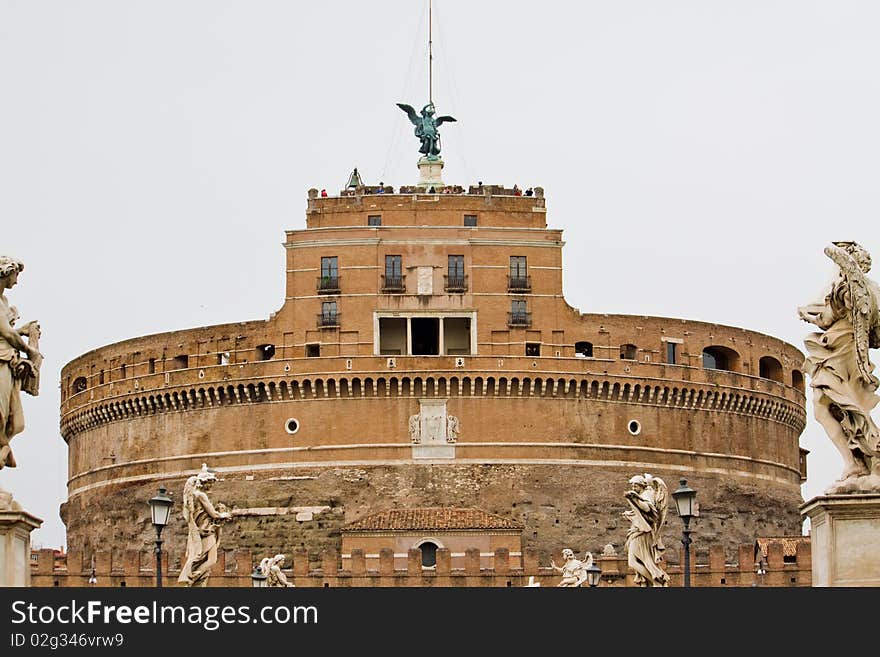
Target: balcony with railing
point(519, 283)
point(455, 283)
point(328, 285)
point(328, 320)
point(394, 284)
point(519, 319)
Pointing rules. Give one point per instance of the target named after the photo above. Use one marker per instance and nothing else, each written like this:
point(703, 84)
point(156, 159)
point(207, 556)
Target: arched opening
point(265, 352)
point(770, 368)
point(583, 349)
point(797, 379)
point(720, 358)
point(628, 352)
point(79, 384)
point(429, 554)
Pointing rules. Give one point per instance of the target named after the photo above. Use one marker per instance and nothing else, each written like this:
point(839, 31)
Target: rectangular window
point(470, 220)
point(533, 348)
point(374, 220)
point(393, 266)
point(671, 353)
point(329, 267)
point(151, 366)
point(518, 307)
point(328, 281)
point(455, 280)
point(456, 266)
point(328, 310)
point(313, 350)
point(518, 278)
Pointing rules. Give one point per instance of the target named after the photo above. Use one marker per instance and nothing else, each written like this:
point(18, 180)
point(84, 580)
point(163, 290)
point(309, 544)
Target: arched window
point(770, 368)
point(720, 358)
point(429, 554)
point(797, 379)
point(79, 384)
point(627, 352)
point(265, 352)
point(583, 349)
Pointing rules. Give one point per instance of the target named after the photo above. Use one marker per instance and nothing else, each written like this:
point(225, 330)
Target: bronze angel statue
point(426, 128)
point(648, 498)
point(840, 370)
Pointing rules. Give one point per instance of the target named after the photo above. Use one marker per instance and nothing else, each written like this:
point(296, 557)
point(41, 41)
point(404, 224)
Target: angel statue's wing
point(661, 497)
point(410, 112)
point(860, 303)
point(444, 119)
point(588, 560)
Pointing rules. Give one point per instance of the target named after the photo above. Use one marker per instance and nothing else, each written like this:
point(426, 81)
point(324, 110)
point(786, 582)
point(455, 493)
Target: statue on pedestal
point(648, 498)
point(203, 520)
point(16, 373)
point(841, 373)
point(426, 128)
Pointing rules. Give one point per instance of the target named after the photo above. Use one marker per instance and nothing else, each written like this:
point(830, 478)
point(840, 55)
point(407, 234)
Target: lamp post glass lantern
point(258, 578)
point(594, 575)
point(684, 497)
point(160, 509)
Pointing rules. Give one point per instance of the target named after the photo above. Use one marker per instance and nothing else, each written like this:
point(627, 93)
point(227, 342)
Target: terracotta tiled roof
point(789, 544)
point(430, 518)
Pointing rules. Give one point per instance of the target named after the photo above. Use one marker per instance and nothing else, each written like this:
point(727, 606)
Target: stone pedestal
point(845, 533)
point(15, 547)
point(429, 174)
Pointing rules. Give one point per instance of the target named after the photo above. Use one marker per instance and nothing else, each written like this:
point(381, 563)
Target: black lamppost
point(684, 500)
point(761, 570)
point(160, 509)
point(594, 574)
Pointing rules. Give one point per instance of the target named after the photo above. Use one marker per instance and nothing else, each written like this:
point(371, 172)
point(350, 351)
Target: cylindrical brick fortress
point(435, 307)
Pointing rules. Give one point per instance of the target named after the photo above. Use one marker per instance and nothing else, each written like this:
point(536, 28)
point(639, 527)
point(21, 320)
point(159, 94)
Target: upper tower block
point(490, 206)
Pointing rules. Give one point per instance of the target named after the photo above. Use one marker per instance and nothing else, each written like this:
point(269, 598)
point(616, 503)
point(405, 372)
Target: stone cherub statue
point(271, 568)
point(426, 128)
point(841, 373)
point(648, 498)
point(16, 373)
point(203, 520)
point(574, 571)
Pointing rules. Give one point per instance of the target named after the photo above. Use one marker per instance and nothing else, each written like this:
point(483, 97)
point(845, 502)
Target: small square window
point(313, 350)
point(470, 220)
point(374, 220)
point(533, 348)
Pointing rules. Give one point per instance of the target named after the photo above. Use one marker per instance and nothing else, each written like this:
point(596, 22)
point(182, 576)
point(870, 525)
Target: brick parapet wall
point(233, 569)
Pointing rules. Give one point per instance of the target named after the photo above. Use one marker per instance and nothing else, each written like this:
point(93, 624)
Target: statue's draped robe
point(202, 541)
point(832, 364)
point(642, 547)
point(11, 412)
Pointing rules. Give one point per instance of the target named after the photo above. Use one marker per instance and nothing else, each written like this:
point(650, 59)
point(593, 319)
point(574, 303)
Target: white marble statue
point(16, 373)
point(414, 428)
point(840, 371)
point(203, 520)
point(648, 498)
point(452, 428)
point(574, 571)
point(271, 568)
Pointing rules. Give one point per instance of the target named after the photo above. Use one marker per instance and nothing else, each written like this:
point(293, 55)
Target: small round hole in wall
point(291, 426)
point(634, 427)
point(287, 367)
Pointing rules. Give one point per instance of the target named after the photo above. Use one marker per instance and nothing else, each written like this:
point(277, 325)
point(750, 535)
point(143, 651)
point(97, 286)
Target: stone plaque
point(426, 280)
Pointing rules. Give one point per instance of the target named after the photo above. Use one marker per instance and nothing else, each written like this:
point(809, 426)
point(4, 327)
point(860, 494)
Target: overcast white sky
point(697, 154)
